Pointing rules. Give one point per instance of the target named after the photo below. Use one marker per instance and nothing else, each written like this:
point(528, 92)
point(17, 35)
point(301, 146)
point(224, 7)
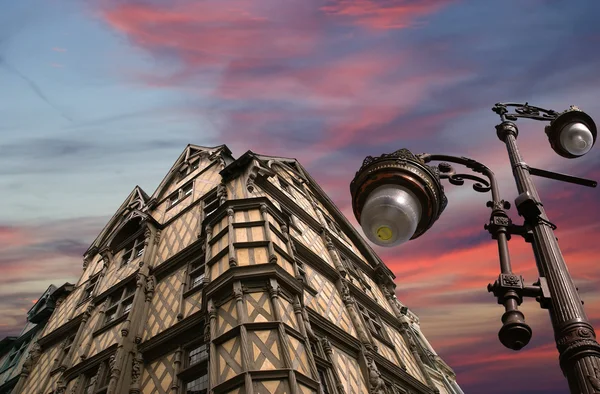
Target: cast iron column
point(575, 337)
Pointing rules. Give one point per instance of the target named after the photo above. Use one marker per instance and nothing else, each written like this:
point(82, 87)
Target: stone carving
point(107, 257)
point(346, 297)
point(250, 181)
point(147, 235)
point(136, 371)
point(157, 237)
point(139, 280)
point(376, 383)
point(232, 262)
point(111, 362)
point(212, 312)
point(149, 287)
point(238, 294)
point(61, 387)
point(207, 333)
point(32, 357)
point(222, 193)
point(326, 346)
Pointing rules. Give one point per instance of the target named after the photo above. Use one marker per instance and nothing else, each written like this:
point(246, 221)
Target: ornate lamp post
point(397, 197)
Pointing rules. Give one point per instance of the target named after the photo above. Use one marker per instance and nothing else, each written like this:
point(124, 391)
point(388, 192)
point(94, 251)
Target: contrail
point(9, 29)
point(36, 89)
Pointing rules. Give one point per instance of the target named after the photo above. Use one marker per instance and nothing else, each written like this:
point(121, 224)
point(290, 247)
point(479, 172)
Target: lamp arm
point(481, 185)
point(523, 111)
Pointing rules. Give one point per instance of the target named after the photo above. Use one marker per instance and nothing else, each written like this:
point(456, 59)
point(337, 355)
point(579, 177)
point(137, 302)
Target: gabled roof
point(135, 202)
point(294, 165)
point(188, 153)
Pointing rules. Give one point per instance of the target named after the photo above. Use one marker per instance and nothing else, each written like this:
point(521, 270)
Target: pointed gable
point(135, 205)
point(187, 162)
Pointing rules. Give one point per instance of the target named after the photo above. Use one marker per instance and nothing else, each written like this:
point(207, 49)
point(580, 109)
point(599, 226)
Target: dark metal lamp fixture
point(397, 197)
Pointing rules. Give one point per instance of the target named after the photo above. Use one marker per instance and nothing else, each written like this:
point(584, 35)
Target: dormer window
point(187, 189)
point(182, 193)
point(188, 169)
point(133, 250)
point(284, 186)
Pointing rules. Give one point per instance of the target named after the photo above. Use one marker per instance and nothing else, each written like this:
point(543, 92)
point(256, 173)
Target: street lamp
point(397, 197)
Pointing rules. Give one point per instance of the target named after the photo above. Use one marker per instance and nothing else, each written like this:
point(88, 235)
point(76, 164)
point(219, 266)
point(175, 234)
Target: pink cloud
point(211, 33)
point(58, 49)
point(388, 14)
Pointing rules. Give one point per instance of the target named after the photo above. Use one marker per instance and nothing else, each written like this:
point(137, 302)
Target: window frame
point(96, 379)
point(135, 241)
point(284, 185)
point(118, 306)
point(210, 203)
point(180, 194)
point(16, 354)
point(334, 227)
point(192, 165)
point(197, 370)
point(90, 287)
point(373, 322)
point(196, 269)
point(324, 365)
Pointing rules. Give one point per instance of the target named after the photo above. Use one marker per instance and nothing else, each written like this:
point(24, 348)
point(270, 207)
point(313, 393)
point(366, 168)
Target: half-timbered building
point(235, 276)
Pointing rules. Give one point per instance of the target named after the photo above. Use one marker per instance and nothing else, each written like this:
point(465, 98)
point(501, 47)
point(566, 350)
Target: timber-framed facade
point(236, 276)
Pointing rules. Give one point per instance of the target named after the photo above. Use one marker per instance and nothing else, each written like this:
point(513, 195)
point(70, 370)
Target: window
point(298, 183)
point(324, 379)
point(133, 250)
point(96, 380)
point(187, 189)
point(198, 354)
point(197, 386)
point(333, 226)
point(174, 199)
point(119, 304)
point(195, 379)
point(372, 322)
point(16, 354)
point(324, 367)
point(189, 168)
point(290, 220)
point(66, 348)
point(181, 193)
point(284, 186)
point(211, 203)
point(197, 272)
point(356, 276)
point(90, 287)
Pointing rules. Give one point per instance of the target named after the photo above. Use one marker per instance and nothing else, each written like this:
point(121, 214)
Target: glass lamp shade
point(576, 138)
point(390, 215)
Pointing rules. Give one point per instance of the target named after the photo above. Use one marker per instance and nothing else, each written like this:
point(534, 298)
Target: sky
point(99, 96)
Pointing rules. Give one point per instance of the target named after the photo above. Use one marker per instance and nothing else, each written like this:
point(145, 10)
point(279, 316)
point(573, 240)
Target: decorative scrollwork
point(524, 111)
point(447, 171)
